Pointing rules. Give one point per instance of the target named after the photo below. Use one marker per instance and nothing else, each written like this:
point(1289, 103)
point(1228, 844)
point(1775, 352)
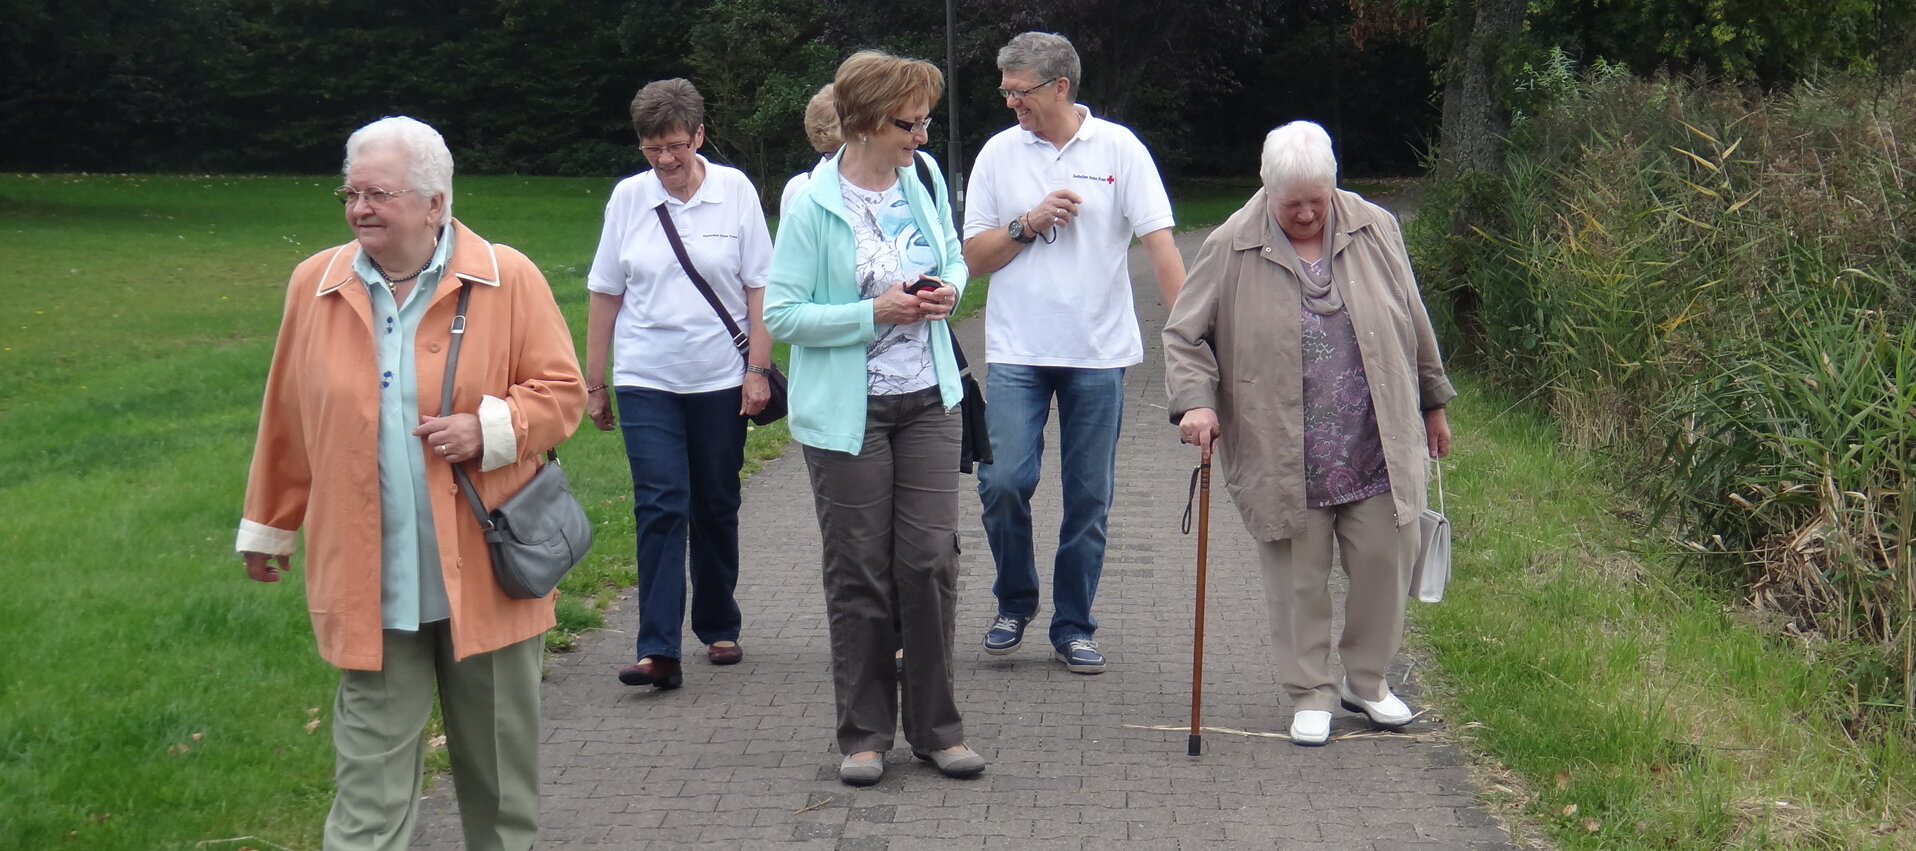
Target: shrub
point(1713, 283)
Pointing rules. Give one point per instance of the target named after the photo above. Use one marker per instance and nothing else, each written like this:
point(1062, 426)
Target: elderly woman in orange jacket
point(398, 580)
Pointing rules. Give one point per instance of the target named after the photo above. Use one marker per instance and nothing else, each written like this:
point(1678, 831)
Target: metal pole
point(954, 174)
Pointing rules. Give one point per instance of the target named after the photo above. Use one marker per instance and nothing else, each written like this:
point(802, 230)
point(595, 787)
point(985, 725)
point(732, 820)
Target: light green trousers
point(490, 704)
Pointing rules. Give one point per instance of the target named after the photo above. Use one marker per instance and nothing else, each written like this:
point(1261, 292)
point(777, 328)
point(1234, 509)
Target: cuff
point(1191, 398)
point(261, 538)
point(501, 446)
point(1436, 393)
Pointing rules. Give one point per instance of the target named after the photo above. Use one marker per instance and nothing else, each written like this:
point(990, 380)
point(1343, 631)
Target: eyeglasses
point(373, 195)
point(1021, 94)
point(676, 149)
point(920, 126)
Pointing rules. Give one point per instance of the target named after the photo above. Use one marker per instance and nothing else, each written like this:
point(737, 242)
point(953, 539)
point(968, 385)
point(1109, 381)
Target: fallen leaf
point(311, 726)
point(437, 741)
point(176, 750)
point(1592, 825)
point(1570, 809)
point(313, 710)
point(198, 736)
point(1563, 779)
point(98, 818)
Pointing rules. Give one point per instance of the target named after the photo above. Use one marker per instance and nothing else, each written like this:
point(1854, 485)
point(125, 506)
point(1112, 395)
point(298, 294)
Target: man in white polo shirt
point(1051, 209)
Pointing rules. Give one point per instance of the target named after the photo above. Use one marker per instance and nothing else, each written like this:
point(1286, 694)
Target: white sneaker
point(1389, 712)
point(1311, 727)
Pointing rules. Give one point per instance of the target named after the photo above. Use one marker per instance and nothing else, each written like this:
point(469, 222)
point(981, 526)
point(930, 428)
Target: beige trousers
point(490, 703)
point(1376, 554)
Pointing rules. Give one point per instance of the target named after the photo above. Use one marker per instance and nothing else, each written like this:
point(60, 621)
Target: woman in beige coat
point(1322, 387)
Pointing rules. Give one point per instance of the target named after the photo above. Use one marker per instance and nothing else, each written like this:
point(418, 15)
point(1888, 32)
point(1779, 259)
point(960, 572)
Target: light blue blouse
point(411, 589)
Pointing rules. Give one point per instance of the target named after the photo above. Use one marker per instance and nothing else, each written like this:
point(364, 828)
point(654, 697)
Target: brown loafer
point(657, 671)
point(724, 652)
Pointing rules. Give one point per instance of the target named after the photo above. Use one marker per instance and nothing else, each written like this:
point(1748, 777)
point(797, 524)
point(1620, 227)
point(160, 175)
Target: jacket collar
point(472, 260)
point(1254, 229)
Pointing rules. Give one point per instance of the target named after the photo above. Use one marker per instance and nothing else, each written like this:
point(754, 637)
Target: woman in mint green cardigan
point(865, 270)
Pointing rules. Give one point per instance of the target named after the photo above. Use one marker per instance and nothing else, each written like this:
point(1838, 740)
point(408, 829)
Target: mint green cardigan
point(812, 302)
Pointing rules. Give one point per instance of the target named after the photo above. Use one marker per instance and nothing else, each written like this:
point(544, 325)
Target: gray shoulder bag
point(540, 533)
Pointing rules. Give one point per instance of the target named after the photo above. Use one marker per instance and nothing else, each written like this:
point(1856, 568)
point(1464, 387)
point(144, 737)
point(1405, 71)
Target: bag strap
point(924, 177)
point(479, 510)
point(1440, 485)
point(739, 337)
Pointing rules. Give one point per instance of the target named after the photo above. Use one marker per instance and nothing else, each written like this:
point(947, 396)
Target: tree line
point(531, 87)
point(542, 88)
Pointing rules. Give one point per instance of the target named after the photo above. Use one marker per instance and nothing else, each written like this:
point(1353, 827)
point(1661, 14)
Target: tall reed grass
point(1713, 284)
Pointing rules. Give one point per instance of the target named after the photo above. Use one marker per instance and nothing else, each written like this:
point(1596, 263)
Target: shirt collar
point(655, 189)
point(470, 259)
point(363, 263)
point(1086, 129)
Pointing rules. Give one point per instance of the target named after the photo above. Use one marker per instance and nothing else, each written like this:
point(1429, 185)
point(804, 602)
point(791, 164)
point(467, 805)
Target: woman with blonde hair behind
point(821, 129)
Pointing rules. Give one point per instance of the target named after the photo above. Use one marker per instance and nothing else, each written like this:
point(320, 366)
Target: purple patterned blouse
point(1343, 455)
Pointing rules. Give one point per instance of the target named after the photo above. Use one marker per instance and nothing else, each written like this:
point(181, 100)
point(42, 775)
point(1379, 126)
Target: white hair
point(428, 162)
point(1298, 154)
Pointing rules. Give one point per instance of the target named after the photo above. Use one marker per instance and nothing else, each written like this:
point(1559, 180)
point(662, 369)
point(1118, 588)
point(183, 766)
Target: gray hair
point(428, 162)
point(663, 106)
point(1047, 55)
point(1298, 153)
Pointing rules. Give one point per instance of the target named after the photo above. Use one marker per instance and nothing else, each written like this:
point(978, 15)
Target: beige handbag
point(1431, 570)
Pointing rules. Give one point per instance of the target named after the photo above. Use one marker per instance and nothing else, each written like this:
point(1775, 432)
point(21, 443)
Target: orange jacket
point(316, 463)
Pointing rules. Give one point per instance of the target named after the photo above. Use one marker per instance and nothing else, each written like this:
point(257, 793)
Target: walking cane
point(1201, 487)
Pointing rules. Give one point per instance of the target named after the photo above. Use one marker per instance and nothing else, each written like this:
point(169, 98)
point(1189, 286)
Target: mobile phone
point(924, 282)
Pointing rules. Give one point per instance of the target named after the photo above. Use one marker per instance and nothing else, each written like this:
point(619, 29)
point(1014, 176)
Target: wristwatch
point(1017, 231)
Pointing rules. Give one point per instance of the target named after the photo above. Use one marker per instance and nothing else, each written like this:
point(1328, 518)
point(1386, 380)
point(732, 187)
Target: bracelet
point(761, 370)
point(595, 389)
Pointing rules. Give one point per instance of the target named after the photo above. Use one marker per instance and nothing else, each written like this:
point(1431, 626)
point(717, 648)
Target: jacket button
point(434, 347)
point(454, 490)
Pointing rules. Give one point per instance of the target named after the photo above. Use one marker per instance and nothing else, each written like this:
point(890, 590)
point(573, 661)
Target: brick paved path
point(743, 756)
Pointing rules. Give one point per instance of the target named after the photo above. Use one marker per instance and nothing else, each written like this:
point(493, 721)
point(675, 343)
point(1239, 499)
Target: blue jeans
point(1090, 411)
point(685, 450)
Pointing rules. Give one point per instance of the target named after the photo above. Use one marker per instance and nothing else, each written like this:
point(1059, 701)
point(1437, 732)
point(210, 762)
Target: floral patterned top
point(891, 249)
point(1343, 454)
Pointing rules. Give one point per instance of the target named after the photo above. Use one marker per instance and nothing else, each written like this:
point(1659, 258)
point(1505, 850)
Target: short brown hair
point(821, 122)
point(667, 105)
point(872, 85)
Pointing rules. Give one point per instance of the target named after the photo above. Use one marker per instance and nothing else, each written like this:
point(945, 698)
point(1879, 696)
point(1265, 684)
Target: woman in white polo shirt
point(681, 389)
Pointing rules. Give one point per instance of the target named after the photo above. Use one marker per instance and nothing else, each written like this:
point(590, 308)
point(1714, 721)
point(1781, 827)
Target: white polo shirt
point(666, 336)
point(1067, 303)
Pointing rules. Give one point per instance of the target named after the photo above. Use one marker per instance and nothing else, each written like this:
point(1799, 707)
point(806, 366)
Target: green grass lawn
point(155, 699)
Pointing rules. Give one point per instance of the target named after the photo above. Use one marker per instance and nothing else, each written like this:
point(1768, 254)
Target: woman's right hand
point(1199, 428)
point(897, 307)
point(262, 567)
point(598, 408)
